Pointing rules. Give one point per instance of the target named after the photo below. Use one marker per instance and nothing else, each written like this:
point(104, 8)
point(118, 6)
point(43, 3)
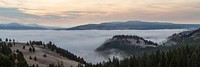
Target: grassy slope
point(52, 57)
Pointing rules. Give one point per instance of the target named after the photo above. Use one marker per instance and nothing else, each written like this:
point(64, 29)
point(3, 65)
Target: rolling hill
point(128, 45)
point(19, 26)
point(36, 54)
point(186, 37)
point(125, 45)
point(133, 25)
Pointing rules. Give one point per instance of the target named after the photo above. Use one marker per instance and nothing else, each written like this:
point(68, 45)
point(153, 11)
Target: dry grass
point(52, 57)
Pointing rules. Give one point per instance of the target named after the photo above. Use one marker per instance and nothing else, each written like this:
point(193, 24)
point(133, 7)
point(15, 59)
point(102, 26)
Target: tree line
point(9, 58)
point(125, 37)
point(183, 56)
point(51, 46)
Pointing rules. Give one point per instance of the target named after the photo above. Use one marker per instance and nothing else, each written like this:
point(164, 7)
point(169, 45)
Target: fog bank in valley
point(83, 42)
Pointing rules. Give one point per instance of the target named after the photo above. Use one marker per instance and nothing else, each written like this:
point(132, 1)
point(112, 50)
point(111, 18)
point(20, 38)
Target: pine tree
point(30, 49)
point(35, 58)
point(37, 65)
point(6, 40)
point(30, 57)
point(23, 47)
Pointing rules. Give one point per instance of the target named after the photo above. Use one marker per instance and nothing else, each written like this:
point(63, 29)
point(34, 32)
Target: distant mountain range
point(129, 25)
point(18, 26)
point(133, 25)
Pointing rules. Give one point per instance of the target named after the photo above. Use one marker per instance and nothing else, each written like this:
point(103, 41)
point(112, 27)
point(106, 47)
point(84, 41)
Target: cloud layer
point(76, 12)
point(84, 42)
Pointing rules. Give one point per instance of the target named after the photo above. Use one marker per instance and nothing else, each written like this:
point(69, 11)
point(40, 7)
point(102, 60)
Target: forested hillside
point(184, 56)
point(35, 54)
point(186, 37)
point(9, 58)
point(184, 53)
point(126, 45)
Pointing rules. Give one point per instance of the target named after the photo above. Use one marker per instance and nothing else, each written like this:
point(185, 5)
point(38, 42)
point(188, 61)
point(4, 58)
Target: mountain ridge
point(183, 37)
point(19, 26)
point(38, 54)
point(124, 44)
point(132, 25)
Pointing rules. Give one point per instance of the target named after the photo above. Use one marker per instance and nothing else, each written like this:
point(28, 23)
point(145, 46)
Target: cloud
point(58, 7)
point(73, 12)
point(15, 13)
point(83, 43)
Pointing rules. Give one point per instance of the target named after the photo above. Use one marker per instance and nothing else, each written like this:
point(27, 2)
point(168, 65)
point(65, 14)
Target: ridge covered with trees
point(185, 53)
point(128, 44)
point(52, 47)
point(185, 37)
point(183, 56)
point(9, 58)
point(15, 58)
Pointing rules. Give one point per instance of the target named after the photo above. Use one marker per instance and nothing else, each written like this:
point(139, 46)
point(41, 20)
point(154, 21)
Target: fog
point(83, 42)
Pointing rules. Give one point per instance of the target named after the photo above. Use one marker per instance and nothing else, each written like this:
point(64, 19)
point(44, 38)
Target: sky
point(66, 13)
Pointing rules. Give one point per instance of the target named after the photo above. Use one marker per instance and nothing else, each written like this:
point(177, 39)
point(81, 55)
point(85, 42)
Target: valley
point(83, 42)
point(118, 46)
point(99, 33)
